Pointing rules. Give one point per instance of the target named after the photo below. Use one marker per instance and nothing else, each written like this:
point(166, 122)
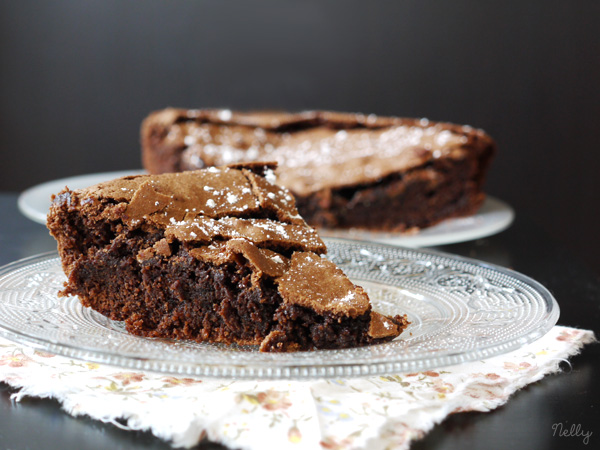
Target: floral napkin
point(384, 412)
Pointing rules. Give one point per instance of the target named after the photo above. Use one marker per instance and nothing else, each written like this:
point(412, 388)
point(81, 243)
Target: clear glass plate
point(460, 310)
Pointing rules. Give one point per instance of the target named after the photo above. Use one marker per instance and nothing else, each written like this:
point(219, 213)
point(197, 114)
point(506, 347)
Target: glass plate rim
point(299, 369)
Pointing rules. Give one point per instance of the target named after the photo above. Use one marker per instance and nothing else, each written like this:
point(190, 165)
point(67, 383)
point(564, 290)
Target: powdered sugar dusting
point(224, 114)
point(349, 298)
point(277, 259)
point(270, 176)
point(319, 157)
point(189, 140)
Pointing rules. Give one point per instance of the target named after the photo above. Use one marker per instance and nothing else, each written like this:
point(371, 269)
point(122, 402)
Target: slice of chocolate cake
point(215, 255)
point(345, 170)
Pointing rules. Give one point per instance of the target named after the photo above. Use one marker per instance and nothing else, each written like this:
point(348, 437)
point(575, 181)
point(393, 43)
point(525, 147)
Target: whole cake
point(345, 170)
point(217, 255)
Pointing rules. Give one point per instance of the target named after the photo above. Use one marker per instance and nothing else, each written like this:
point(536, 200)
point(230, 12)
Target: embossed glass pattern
point(460, 310)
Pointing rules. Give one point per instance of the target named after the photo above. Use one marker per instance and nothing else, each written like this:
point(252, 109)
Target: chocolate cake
point(345, 170)
point(218, 255)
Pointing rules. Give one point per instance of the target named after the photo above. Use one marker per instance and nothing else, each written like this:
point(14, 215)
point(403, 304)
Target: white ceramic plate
point(460, 310)
point(493, 217)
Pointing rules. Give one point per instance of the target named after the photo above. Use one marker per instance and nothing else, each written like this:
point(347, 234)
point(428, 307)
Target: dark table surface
point(571, 397)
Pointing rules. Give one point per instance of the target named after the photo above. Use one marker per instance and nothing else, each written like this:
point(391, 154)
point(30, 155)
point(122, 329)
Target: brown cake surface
point(346, 170)
point(217, 255)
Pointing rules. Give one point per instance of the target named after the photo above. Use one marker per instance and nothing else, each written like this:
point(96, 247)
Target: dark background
point(77, 78)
